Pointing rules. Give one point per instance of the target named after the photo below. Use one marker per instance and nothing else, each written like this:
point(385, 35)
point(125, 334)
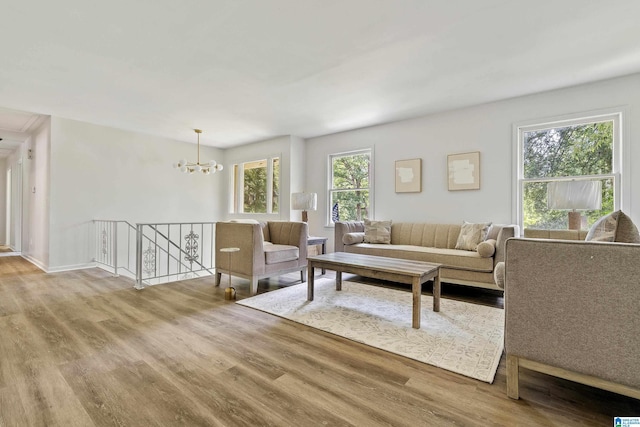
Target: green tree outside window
point(260, 188)
point(580, 151)
point(350, 185)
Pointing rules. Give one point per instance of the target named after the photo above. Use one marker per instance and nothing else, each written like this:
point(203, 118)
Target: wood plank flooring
point(84, 348)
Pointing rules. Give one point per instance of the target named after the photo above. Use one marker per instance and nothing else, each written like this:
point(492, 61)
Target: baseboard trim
point(35, 262)
point(71, 267)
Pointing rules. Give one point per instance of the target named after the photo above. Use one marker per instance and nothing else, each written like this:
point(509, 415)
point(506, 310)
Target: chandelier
point(206, 168)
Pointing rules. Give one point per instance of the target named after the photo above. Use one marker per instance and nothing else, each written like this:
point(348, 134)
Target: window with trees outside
point(585, 152)
point(256, 186)
point(350, 186)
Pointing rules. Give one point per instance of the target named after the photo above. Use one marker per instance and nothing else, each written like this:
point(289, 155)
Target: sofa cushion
point(615, 227)
point(471, 235)
point(263, 225)
point(265, 230)
point(494, 229)
point(425, 234)
point(545, 233)
point(377, 231)
point(274, 254)
point(352, 238)
point(487, 248)
point(451, 258)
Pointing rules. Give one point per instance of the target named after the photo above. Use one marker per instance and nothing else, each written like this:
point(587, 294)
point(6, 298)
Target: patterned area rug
point(464, 338)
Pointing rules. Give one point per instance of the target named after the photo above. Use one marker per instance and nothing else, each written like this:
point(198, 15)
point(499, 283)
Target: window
point(350, 186)
point(558, 158)
point(256, 186)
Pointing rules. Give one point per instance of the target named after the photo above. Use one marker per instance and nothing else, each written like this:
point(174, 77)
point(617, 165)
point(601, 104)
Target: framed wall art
point(409, 176)
point(464, 171)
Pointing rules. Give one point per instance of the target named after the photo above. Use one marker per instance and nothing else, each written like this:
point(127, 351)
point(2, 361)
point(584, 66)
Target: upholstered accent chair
point(571, 310)
point(267, 249)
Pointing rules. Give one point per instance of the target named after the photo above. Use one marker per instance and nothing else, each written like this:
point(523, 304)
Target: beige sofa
point(545, 233)
point(267, 249)
point(433, 243)
point(571, 310)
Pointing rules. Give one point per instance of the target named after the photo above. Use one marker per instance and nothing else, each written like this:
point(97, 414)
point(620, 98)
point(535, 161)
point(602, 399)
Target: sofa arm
point(506, 232)
point(248, 237)
point(342, 228)
point(498, 274)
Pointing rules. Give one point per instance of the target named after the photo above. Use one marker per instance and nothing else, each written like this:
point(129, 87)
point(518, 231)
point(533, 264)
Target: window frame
point(618, 167)
point(236, 205)
point(328, 221)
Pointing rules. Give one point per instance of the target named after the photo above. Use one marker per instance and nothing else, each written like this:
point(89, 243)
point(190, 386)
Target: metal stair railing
point(109, 251)
point(193, 249)
point(162, 261)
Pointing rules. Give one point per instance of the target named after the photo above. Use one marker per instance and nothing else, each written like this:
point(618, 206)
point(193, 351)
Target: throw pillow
point(471, 235)
point(615, 227)
point(377, 231)
point(352, 238)
point(487, 248)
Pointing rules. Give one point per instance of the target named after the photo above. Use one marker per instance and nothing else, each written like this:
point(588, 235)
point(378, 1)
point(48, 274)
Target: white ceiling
point(249, 70)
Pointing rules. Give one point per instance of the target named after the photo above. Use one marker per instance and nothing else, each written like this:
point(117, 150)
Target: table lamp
point(574, 196)
point(304, 202)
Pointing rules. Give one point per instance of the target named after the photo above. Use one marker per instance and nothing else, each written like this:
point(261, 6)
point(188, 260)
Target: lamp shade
point(304, 201)
point(574, 195)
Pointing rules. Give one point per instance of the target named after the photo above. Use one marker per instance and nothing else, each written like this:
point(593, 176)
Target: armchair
point(571, 311)
point(267, 249)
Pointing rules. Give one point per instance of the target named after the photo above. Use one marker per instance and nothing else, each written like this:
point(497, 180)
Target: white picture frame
point(463, 171)
point(409, 176)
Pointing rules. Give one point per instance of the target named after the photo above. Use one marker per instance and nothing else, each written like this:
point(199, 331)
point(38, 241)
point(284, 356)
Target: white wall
point(15, 162)
point(298, 173)
point(485, 128)
point(35, 232)
point(99, 172)
point(3, 202)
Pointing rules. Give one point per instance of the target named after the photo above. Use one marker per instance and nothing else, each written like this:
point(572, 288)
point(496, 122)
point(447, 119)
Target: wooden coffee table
point(397, 270)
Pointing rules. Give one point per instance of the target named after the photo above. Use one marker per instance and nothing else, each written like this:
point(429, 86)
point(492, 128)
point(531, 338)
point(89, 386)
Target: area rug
point(463, 338)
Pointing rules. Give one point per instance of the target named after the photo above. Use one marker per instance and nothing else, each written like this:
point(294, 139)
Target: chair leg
point(303, 275)
point(512, 377)
point(254, 285)
point(218, 278)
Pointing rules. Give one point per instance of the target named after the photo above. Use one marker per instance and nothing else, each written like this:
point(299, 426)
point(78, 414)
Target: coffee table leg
point(416, 288)
point(310, 274)
point(338, 280)
point(436, 293)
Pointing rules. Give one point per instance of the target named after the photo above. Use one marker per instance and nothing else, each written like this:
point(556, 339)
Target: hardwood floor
point(84, 348)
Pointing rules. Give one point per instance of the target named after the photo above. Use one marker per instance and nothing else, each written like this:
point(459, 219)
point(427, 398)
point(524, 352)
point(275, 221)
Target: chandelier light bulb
point(206, 168)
